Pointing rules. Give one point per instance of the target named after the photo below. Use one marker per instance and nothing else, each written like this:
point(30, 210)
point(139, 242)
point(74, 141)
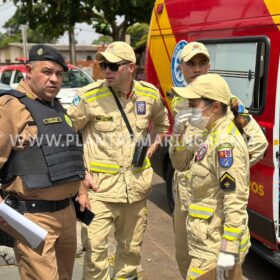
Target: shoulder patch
point(225, 155)
point(140, 107)
point(149, 85)
point(201, 151)
point(227, 182)
point(76, 100)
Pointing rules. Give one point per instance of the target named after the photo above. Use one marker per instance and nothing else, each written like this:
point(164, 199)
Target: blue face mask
point(198, 120)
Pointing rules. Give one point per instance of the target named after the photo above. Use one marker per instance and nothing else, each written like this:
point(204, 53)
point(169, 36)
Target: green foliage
point(103, 39)
point(138, 33)
point(51, 18)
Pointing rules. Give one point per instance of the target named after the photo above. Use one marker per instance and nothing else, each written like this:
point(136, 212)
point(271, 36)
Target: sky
point(84, 34)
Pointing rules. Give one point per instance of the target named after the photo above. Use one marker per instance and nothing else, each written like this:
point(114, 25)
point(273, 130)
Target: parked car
point(4, 87)
point(73, 79)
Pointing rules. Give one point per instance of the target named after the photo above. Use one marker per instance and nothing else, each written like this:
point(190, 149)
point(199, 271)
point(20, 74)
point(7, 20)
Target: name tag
point(52, 120)
point(104, 118)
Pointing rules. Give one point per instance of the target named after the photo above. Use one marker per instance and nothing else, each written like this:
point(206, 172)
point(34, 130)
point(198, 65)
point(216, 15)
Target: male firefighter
point(113, 116)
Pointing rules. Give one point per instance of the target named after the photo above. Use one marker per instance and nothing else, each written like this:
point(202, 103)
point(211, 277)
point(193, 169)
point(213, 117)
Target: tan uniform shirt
point(254, 138)
point(108, 148)
point(180, 154)
point(15, 124)
point(219, 193)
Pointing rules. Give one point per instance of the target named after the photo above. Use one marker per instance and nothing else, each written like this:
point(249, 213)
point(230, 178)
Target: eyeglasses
point(114, 67)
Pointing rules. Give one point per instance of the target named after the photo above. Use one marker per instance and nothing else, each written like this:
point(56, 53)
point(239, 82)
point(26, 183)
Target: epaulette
point(94, 85)
point(149, 85)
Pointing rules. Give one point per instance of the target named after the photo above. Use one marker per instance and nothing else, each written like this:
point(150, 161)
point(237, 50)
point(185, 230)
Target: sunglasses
point(114, 67)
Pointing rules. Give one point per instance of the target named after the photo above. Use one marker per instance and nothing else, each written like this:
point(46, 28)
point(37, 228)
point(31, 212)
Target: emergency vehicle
point(243, 39)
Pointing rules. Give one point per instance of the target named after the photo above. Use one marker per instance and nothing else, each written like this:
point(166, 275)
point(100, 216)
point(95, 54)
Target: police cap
point(43, 52)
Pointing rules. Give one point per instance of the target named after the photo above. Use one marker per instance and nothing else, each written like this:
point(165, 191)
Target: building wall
point(10, 53)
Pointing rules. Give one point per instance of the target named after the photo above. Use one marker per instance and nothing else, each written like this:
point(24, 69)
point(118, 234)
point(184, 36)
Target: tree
point(108, 17)
point(14, 33)
point(138, 33)
point(103, 39)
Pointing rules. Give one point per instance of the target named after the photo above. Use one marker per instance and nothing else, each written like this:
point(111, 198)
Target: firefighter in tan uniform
point(195, 61)
point(217, 221)
point(109, 148)
point(31, 172)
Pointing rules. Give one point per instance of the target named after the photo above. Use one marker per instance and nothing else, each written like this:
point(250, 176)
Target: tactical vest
point(55, 157)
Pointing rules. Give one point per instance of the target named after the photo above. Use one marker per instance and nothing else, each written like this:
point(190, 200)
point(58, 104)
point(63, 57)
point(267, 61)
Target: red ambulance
point(243, 39)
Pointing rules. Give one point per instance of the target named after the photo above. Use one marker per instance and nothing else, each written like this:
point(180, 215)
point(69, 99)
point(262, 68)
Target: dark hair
point(210, 101)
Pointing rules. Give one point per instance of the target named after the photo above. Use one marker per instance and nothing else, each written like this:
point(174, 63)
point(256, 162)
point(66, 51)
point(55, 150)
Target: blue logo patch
point(76, 100)
point(177, 76)
point(225, 158)
point(140, 107)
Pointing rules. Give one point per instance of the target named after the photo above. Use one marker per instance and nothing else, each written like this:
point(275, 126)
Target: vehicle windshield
point(75, 78)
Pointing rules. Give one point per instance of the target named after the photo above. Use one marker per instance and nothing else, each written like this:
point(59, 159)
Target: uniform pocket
point(199, 221)
point(104, 126)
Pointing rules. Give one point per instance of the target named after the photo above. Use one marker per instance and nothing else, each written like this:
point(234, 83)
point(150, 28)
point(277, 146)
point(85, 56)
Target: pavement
point(158, 253)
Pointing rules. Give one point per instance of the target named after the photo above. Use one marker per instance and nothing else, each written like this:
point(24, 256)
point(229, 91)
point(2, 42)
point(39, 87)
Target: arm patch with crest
point(227, 182)
point(225, 155)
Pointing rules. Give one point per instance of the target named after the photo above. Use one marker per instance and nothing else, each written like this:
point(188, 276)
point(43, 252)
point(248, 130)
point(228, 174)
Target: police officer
point(195, 61)
point(109, 146)
point(42, 165)
point(219, 181)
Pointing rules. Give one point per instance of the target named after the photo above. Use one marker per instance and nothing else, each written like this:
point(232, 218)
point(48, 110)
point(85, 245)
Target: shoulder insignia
point(149, 85)
point(241, 120)
point(140, 107)
point(225, 155)
point(76, 100)
point(201, 151)
point(227, 182)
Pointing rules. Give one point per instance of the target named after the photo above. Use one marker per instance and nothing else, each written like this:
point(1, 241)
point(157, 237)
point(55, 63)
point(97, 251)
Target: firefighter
point(31, 171)
point(217, 221)
point(195, 61)
point(112, 116)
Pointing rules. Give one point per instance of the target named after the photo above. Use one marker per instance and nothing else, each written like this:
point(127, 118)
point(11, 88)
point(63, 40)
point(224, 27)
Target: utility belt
point(36, 206)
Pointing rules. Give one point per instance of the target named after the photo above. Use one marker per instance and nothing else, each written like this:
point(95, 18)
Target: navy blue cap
point(43, 52)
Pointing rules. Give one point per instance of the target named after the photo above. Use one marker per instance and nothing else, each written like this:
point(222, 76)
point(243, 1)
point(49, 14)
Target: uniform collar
point(217, 123)
point(24, 88)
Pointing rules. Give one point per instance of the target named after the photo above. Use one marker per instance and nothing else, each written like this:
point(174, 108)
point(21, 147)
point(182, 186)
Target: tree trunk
point(72, 47)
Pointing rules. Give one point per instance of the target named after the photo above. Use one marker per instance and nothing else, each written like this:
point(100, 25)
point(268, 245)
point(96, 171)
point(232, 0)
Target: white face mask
point(197, 119)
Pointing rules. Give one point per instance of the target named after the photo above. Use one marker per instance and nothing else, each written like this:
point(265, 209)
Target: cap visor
point(108, 56)
point(193, 54)
point(186, 92)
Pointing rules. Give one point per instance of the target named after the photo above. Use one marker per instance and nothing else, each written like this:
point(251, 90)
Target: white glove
point(225, 263)
point(181, 120)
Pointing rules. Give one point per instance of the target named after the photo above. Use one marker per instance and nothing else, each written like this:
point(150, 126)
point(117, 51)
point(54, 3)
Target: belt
point(37, 206)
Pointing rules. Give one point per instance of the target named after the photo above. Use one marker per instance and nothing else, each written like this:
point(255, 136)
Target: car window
point(6, 77)
point(18, 77)
point(75, 78)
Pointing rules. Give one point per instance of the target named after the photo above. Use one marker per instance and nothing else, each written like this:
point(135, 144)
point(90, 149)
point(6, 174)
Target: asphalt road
point(158, 261)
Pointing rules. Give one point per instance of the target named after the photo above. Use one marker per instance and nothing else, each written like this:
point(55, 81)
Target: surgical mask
point(197, 119)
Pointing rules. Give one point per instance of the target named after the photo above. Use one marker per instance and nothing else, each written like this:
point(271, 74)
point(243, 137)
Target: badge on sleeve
point(225, 155)
point(76, 100)
point(227, 182)
point(200, 153)
point(140, 107)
